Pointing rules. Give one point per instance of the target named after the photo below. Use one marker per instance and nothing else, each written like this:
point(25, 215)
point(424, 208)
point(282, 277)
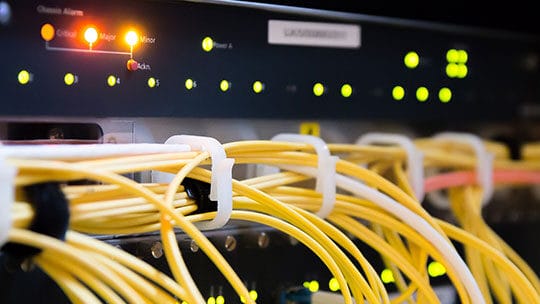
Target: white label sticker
point(314, 34)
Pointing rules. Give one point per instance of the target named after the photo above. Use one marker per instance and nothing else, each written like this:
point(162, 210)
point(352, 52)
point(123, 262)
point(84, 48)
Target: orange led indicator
point(47, 32)
point(132, 38)
point(132, 65)
point(90, 35)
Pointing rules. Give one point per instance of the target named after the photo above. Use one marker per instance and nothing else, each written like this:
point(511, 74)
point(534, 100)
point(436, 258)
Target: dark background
point(521, 15)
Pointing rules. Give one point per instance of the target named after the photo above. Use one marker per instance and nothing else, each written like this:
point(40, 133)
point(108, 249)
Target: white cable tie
point(326, 168)
point(7, 196)
point(484, 169)
point(221, 179)
point(415, 158)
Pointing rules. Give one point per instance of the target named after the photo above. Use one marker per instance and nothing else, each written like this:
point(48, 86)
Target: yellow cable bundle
point(122, 206)
point(488, 276)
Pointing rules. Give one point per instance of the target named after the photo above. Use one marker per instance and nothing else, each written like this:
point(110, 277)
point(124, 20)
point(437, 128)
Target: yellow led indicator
point(462, 71)
point(452, 56)
point(422, 94)
point(452, 70)
point(207, 44)
point(211, 300)
point(220, 300)
point(90, 35)
point(224, 85)
point(411, 60)
point(463, 56)
point(69, 79)
point(310, 128)
point(398, 92)
point(436, 269)
point(111, 80)
point(23, 77)
point(190, 84)
point(318, 89)
point(242, 299)
point(184, 302)
point(346, 90)
point(253, 295)
point(306, 284)
point(313, 286)
point(387, 276)
point(132, 38)
point(333, 284)
point(445, 94)
point(258, 87)
point(152, 82)
point(47, 32)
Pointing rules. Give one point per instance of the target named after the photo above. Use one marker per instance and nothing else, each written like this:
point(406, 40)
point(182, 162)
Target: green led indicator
point(436, 269)
point(207, 44)
point(69, 79)
point(313, 286)
point(333, 284)
point(318, 89)
point(112, 80)
point(190, 84)
point(220, 300)
point(411, 60)
point(452, 56)
point(152, 82)
point(224, 85)
point(346, 90)
point(23, 77)
point(258, 87)
point(462, 71)
point(445, 95)
point(253, 295)
point(398, 92)
point(463, 56)
point(452, 70)
point(422, 94)
point(387, 276)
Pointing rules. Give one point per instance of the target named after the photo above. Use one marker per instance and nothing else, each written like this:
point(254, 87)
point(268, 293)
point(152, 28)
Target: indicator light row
point(90, 34)
point(456, 66)
point(221, 299)
point(412, 59)
point(435, 269)
point(422, 94)
point(398, 92)
point(24, 77)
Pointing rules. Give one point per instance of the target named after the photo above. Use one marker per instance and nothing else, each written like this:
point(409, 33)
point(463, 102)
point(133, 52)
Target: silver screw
point(263, 240)
point(230, 243)
point(193, 246)
point(157, 250)
point(28, 265)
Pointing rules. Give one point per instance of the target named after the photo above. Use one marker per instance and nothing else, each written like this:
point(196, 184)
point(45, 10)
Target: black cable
point(51, 217)
point(199, 192)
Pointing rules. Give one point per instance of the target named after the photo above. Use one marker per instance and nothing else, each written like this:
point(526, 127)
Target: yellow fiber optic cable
point(75, 256)
point(60, 171)
point(74, 290)
point(124, 206)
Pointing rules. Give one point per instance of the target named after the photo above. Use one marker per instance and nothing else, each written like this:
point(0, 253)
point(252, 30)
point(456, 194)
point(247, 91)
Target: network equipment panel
point(128, 72)
point(193, 59)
